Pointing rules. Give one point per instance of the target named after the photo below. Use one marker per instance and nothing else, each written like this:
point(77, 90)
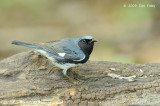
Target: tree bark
point(27, 79)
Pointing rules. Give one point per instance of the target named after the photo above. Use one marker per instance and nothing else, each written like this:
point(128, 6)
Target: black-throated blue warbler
point(65, 53)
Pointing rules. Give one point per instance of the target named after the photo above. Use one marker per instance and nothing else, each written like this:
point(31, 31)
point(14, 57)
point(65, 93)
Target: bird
point(65, 53)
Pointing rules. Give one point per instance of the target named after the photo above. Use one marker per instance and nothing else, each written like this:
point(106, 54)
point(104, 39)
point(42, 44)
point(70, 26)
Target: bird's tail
point(15, 42)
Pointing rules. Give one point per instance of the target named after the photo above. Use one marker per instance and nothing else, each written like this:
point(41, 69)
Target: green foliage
point(122, 59)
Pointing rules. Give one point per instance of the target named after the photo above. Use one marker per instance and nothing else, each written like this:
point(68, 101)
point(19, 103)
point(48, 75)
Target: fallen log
point(27, 79)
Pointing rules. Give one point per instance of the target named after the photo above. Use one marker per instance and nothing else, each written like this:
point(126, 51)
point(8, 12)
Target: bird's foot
point(74, 82)
point(83, 75)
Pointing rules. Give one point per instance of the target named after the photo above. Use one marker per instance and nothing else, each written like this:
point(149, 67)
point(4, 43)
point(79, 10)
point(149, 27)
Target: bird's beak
point(93, 40)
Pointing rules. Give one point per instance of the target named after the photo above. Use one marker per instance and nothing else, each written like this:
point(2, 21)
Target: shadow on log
point(26, 79)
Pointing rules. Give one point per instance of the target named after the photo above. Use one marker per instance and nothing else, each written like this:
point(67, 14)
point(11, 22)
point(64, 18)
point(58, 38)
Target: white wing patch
point(62, 54)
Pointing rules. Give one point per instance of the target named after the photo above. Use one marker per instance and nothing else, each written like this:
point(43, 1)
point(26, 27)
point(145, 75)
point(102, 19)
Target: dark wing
point(64, 49)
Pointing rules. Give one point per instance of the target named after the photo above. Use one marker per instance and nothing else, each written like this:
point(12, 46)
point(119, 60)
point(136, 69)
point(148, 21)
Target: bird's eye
point(84, 41)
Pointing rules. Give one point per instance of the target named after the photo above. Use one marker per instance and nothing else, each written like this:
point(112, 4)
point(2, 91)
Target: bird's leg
point(52, 69)
point(65, 73)
point(45, 62)
point(43, 65)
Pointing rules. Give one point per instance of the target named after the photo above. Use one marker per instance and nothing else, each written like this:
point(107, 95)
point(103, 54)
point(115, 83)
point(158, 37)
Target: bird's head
point(86, 44)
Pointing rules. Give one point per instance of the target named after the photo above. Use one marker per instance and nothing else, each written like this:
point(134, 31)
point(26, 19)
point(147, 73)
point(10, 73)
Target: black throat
point(87, 50)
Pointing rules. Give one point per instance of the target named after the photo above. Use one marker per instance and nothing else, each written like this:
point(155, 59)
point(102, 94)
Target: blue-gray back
point(68, 46)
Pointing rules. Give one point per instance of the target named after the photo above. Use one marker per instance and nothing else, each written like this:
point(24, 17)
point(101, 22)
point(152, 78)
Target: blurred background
point(125, 34)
